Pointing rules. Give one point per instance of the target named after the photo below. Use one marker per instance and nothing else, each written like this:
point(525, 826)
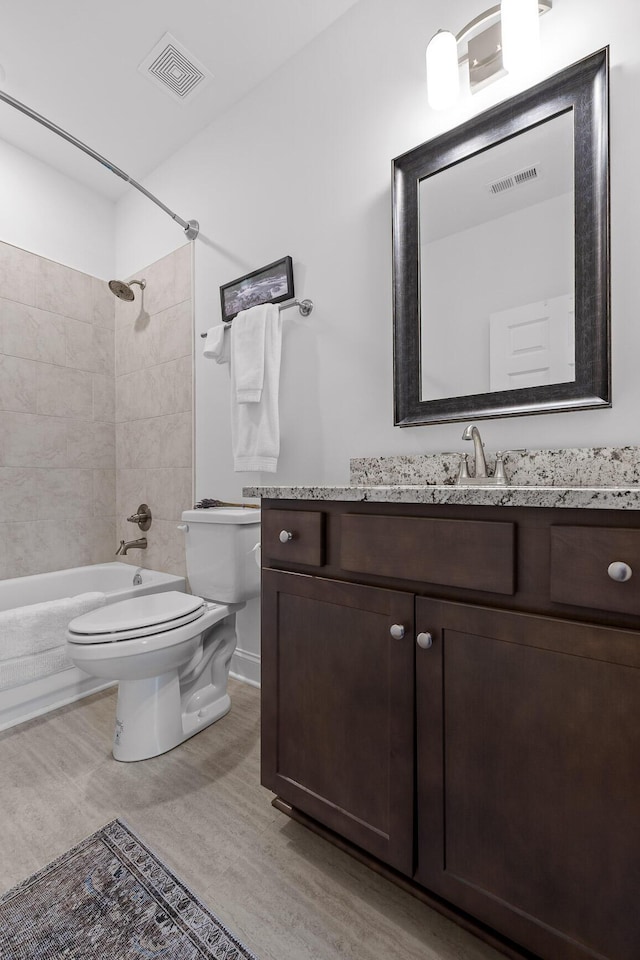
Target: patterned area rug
point(110, 898)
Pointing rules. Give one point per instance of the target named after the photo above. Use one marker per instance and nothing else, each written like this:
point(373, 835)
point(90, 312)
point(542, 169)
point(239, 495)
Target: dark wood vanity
point(453, 693)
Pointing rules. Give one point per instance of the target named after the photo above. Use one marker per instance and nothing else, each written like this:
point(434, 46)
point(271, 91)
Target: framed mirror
point(501, 258)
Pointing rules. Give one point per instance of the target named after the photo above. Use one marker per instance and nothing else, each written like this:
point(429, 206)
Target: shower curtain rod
point(191, 227)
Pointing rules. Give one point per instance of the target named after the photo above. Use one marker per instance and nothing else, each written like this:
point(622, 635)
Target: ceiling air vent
point(499, 186)
point(170, 66)
point(515, 179)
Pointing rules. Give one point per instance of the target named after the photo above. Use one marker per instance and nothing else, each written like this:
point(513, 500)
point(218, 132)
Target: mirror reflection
point(496, 266)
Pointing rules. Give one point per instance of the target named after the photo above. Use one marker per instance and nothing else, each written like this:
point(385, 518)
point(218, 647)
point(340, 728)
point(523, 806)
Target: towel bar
point(305, 307)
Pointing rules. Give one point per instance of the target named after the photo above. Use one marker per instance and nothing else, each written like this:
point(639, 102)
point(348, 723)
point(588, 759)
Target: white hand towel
point(217, 344)
point(255, 425)
point(248, 351)
point(42, 626)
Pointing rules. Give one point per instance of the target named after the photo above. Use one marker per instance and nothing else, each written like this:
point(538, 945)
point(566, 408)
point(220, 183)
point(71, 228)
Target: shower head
point(123, 290)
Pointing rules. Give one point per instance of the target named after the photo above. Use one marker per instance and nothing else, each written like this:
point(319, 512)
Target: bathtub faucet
point(140, 544)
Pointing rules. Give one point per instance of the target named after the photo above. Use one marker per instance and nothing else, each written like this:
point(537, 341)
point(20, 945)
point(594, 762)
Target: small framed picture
point(270, 284)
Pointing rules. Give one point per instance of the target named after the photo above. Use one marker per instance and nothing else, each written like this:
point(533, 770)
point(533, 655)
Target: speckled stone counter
point(596, 478)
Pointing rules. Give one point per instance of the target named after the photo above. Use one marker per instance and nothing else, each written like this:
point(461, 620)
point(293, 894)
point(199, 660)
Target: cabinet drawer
point(580, 560)
point(475, 555)
point(306, 542)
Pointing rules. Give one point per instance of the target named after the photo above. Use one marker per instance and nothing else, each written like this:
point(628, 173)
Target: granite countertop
point(600, 478)
point(598, 498)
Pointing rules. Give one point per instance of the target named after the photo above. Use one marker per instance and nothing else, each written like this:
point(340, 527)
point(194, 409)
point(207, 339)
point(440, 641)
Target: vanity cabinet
point(489, 752)
point(338, 718)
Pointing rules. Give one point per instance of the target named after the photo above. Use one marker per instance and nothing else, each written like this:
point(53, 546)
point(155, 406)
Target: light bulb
point(520, 35)
point(443, 80)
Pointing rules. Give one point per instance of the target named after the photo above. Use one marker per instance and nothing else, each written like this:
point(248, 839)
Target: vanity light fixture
point(505, 38)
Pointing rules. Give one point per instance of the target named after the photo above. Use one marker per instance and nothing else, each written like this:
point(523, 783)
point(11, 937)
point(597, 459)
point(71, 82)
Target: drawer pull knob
point(424, 640)
point(619, 571)
point(285, 536)
point(397, 631)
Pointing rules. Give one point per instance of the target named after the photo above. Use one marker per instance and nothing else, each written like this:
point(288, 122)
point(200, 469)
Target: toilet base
point(150, 721)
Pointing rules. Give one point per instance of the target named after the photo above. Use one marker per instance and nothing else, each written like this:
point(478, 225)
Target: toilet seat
point(138, 617)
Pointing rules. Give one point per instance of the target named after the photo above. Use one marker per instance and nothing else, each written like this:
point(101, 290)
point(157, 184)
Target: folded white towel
point(217, 344)
point(248, 351)
point(42, 626)
point(255, 380)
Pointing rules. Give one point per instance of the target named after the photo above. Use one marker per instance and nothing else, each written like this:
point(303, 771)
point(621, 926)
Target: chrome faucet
point(480, 475)
point(140, 544)
point(472, 433)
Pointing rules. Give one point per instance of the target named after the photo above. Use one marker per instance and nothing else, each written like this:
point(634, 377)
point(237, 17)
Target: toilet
point(170, 652)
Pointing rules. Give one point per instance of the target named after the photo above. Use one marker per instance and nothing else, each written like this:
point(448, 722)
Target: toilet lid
point(153, 610)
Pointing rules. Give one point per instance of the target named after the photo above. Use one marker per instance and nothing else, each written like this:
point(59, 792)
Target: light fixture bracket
point(483, 36)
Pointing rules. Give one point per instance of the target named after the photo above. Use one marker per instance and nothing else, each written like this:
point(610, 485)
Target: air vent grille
point(174, 69)
point(515, 179)
point(499, 186)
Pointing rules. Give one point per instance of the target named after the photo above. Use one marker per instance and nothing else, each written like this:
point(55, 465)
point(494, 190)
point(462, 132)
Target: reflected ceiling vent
point(515, 179)
point(170, 66)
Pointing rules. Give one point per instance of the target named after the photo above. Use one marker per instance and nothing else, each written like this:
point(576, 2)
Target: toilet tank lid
point(222, 515)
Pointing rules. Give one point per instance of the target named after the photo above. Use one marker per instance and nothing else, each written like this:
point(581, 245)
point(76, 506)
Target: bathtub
point(63, 684)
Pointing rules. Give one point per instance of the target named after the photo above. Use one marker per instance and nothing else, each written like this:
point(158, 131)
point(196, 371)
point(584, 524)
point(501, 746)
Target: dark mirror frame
point(584, 89)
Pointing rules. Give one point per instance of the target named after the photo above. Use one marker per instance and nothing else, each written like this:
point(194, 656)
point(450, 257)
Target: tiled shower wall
point(154, 424)
point(57, 433)
point(66, 485)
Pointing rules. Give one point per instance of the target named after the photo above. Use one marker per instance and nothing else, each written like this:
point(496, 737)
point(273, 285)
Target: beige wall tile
point(183, 282)
point(158, 442)
point(160, 291)
point(104, 398)
point(165, 550)
point(36, 547)
point(19, 384)
point(89, 348)
point(90, 444)
point(103, 304)
point(31, 333)
point(64, 392)
point(91, 541)
point(19, 494)
point(64, 494)
point(32, 441)
point(170, 491)
point(131, 491)
point(63, 290)
point(167, 336)
point(79, 349)
point(17, 274)
point(104, 351)
point(104, 493)
point(155, 391)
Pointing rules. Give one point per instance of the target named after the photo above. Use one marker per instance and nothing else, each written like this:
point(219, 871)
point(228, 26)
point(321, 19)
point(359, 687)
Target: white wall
point(302, 166)
point(49, 214)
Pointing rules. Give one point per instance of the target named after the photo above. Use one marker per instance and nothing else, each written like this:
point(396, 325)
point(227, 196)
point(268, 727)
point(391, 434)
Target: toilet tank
point(220, 549)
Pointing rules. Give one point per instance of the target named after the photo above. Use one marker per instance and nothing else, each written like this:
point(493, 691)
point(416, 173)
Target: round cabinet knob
point(424, 640)
point(285, 536)
point(619, 571)
point(397, 631)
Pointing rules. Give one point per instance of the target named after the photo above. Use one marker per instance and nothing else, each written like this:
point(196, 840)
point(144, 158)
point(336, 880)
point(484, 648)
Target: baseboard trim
point(245, 666)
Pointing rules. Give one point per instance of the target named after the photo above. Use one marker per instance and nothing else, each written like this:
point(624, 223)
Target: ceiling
point(76, 63)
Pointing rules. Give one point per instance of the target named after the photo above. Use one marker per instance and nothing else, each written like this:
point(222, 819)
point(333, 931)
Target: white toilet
point(171, 651)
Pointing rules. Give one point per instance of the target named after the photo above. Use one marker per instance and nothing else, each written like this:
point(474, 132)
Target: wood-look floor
point(288, 894)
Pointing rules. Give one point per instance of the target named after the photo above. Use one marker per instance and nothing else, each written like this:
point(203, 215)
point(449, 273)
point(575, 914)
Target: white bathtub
point(35, 697)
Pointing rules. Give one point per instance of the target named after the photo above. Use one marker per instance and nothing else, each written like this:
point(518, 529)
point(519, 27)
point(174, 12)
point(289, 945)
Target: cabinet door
point(528, 747)
point(338, 708)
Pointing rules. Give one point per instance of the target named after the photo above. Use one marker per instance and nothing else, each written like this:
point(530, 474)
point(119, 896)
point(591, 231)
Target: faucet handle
point(499, 468)
point(463, 470)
